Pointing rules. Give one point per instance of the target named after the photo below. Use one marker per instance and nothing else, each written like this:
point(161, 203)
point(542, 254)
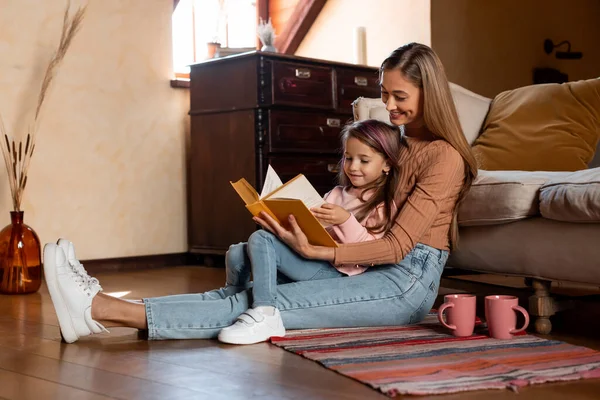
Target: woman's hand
point(295, 238)
point(331, 214)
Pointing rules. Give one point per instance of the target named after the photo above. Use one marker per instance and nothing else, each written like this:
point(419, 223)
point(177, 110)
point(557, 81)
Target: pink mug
point(501, 316)
point(461, 314)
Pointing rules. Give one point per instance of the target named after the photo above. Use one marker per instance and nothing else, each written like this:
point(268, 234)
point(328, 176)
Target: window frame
point(262, 12)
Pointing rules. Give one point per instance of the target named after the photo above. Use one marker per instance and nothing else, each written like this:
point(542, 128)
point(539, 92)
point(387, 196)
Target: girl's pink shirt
point(353, 231)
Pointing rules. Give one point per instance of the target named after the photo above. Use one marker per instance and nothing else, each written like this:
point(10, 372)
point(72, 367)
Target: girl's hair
point(385, 140)
point(422, 67)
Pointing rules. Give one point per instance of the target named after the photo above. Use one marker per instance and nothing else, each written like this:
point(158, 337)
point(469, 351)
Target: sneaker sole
point(249, 340)
point(67, 331)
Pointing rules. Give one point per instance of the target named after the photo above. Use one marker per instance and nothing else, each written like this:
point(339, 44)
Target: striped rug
point(424, 359)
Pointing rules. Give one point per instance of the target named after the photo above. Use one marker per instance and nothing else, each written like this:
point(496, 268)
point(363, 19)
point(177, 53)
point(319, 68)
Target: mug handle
point(441, 316)
point(526, 324)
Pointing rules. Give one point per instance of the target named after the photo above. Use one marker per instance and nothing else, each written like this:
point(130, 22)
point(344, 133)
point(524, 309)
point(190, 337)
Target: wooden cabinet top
point(261, 79)
point(277, 56)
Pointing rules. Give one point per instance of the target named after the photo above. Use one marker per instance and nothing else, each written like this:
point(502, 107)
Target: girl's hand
point(331, 214)
point(291, 235)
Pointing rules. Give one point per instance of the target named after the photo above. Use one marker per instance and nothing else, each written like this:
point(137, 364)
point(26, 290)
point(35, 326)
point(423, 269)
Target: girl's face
point(403, 100)
point(362, 164)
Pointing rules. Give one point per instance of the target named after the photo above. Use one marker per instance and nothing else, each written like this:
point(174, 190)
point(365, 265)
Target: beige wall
point(389, 24)
point(492, 46)
point(109, 168)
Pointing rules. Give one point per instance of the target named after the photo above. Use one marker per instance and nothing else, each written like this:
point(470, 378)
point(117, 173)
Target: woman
point(405, 266)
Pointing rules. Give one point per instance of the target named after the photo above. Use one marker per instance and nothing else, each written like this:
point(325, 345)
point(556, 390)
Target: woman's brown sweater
point(431, 176)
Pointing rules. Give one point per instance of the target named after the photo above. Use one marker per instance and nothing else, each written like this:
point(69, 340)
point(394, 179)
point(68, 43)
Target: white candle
point(360, 45)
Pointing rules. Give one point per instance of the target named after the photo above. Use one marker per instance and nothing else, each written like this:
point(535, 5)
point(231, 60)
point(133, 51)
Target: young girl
point(361, 209)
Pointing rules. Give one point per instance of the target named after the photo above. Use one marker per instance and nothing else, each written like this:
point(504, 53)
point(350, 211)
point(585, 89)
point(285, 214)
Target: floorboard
point(34, 364)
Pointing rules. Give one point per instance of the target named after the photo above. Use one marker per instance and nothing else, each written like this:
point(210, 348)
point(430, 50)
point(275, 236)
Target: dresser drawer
point(352, 84)
point(295, 131)
point(321, 172)
point(302, 85)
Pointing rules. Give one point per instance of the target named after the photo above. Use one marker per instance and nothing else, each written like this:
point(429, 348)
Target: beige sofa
point(540, 225)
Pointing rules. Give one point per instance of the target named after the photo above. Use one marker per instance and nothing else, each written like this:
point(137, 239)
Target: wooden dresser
point(255, 109)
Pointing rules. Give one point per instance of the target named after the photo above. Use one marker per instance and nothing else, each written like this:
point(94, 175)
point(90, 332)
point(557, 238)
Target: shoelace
point(87, 284)
point(80, 271)
point(82, 282)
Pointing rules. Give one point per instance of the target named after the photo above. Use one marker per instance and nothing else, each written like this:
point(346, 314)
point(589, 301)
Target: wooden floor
point(34, 364)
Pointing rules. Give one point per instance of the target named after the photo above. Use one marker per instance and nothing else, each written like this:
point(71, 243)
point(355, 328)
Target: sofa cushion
point(572, 198)
point(499, 197)
point(551, 127)
point(471, 108)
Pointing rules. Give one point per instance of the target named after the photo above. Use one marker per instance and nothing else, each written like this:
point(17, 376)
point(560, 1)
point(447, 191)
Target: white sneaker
point(253, 326)
point(69, 250)
point(71, 295)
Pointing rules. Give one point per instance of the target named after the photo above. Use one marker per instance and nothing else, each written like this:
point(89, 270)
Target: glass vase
point(20, 257)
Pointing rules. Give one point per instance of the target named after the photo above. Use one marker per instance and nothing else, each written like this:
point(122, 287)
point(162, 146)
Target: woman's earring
point(386, 172)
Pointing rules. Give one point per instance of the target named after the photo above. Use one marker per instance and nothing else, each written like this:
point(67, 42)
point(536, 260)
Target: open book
point(279, 200)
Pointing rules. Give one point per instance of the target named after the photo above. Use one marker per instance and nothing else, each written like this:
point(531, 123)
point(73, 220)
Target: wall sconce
point(565, 55)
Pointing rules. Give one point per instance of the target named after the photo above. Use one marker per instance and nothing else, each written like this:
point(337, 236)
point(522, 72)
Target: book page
point(272, 182)
point(299, 188)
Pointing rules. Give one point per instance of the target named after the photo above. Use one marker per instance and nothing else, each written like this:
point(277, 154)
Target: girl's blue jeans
point(308, 293)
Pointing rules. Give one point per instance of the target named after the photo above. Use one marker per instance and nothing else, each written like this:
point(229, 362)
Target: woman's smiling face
point(403, 100)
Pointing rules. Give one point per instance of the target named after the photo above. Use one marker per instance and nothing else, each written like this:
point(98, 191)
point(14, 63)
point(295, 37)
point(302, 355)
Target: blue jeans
point(391, 294)
point(269, 258)
point(272, 263)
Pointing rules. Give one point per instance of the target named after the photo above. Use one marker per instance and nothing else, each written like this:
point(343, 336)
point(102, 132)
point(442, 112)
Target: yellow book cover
point(279, 200)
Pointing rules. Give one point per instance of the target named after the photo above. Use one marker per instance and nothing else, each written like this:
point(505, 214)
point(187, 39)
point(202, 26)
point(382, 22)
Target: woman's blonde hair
point(421, 66)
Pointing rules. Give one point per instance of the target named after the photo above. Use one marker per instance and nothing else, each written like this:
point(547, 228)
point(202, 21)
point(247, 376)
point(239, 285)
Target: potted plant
point(266, 34)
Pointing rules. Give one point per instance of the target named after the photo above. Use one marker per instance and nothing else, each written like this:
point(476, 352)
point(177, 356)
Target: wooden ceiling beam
point(262, 10)
point(298, 25)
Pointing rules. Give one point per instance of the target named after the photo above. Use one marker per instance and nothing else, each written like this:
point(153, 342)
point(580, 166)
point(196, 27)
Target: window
point(232, 23)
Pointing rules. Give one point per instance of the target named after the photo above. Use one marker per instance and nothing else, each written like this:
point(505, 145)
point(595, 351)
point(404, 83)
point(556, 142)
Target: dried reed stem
point(69, 30)
point(26, 161)
point(17, 163)
point(6, 155)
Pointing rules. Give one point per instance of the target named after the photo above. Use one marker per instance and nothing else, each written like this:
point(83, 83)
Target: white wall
point(389, 24)
point(109, 167)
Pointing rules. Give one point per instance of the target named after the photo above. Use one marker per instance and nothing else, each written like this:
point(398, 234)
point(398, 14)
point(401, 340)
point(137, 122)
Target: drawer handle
point(333, 168)
point(302, 73)
point(361, 81)
point(334, 122)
